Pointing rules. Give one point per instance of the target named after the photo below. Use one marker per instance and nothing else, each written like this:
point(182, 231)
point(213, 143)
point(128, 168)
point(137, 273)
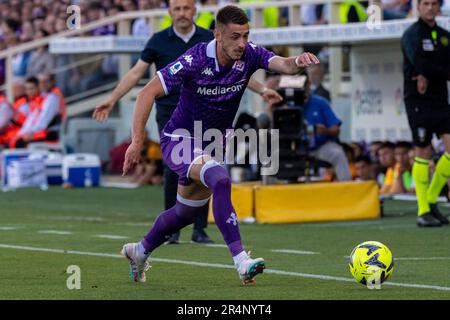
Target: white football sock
point(239, 258)
point(141, 251)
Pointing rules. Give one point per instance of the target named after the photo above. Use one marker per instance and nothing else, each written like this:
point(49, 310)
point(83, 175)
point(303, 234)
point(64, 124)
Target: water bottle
point(311, 132)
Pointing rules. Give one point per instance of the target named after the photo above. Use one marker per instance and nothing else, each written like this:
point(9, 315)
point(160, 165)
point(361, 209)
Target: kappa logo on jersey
point(175, 68)
point(252, 45)
point(208, 72)
point(232, 219)
point(239, 65)
point(188, 59)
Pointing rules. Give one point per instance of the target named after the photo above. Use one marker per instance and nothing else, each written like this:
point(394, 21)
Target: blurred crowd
point(26, 20)
point(389, 163)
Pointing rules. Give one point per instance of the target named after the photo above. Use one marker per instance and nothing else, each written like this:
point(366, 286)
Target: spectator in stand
point(47, 112)
point(373, 155)
point(403, 181)
point(27, 31)
point(6, 113)
point(141, 26)
point(395, 9)
point(387, 162)
point(41, 60)
point(358, 149)
point(363, 168)
point(316, 75)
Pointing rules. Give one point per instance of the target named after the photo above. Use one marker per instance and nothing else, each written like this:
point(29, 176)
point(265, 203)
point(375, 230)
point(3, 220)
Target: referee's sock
point(420, 175)
point(440, 178)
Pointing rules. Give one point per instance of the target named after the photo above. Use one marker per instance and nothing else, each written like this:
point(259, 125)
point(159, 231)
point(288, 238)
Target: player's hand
point(422, 83)
point(271, 96)
point(102, 111)
point(306, 59)
point(132, 157)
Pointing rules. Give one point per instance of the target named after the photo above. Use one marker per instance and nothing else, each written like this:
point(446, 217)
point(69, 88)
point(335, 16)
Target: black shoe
point(200, 236)
point(174, 239)
point(437, 214)
point(427, 220)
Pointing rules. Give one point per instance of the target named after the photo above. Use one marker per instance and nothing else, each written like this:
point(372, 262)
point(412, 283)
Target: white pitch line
point(55, 232)
point(8, 228)
point(415, 258)
point(421, 258)
point(293, 251)
point(110, 236)
point(224, 266)
point(212, 245)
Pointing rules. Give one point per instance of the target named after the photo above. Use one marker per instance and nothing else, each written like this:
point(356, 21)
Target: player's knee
point(224, 183)
point(212, 174)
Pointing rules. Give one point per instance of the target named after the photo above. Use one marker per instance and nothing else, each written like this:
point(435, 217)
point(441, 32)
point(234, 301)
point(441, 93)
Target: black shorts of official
point(425, 121)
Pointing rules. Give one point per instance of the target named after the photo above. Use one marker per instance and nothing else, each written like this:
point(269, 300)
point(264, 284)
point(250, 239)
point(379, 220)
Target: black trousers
point(163, 114)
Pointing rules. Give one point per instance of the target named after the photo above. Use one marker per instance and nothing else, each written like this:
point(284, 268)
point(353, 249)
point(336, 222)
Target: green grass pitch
point(43, 233)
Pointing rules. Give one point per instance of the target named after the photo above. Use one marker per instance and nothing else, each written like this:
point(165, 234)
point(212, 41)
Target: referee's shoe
point(437, 214)
point(428, 220)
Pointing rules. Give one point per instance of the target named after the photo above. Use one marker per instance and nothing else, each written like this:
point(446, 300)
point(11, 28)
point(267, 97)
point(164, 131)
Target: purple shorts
point(179, 154)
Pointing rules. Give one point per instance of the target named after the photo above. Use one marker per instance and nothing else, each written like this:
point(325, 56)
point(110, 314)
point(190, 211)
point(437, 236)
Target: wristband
point(296, 63)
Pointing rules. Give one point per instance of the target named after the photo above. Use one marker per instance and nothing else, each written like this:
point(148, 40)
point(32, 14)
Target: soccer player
point(212, 77)
point(163, 48)
point(426, 52)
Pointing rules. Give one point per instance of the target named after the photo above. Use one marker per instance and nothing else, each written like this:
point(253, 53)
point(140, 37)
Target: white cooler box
point(7, 156)
point(53, 165)
point(25, 173)
point(81, 170)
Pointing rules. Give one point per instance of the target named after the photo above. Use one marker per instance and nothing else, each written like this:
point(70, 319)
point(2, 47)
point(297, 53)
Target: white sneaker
point(138, 265)
point(249, 268)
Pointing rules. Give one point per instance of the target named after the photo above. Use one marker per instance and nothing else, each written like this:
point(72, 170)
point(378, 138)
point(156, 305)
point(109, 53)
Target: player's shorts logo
point(175, 68)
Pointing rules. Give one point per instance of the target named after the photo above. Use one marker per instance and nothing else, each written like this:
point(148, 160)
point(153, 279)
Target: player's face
point(232, 39)
point(182, 13)
point(429, 9)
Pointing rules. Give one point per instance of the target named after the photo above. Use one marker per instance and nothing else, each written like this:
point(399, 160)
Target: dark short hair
point(388, 145)
point(439, 1)
point(404, 144)
point(231, 14)
point(32, 80)
point(363, 158)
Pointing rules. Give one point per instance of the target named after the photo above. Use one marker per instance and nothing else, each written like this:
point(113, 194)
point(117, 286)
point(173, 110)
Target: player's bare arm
point(269, 95)
point(293, 65)
point(144, 103)
point(130, 79)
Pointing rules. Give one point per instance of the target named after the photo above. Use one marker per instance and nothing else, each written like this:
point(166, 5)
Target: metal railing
point(123, 23)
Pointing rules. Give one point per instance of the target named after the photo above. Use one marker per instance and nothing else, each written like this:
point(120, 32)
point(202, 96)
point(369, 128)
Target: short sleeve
point(260, 56)
point(149, 53)
point(185, 67)
point(330, 117)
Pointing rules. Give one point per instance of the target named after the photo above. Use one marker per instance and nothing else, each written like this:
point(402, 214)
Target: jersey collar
point(211, 52)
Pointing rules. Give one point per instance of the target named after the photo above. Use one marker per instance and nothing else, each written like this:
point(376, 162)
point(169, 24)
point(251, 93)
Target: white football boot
point(137, 264)
point(249, 268)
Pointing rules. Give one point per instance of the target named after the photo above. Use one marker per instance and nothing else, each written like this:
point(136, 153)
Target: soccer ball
point(371, 263)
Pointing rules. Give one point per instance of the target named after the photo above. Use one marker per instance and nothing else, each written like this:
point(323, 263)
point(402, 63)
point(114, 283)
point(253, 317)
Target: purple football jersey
point(210, 93)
